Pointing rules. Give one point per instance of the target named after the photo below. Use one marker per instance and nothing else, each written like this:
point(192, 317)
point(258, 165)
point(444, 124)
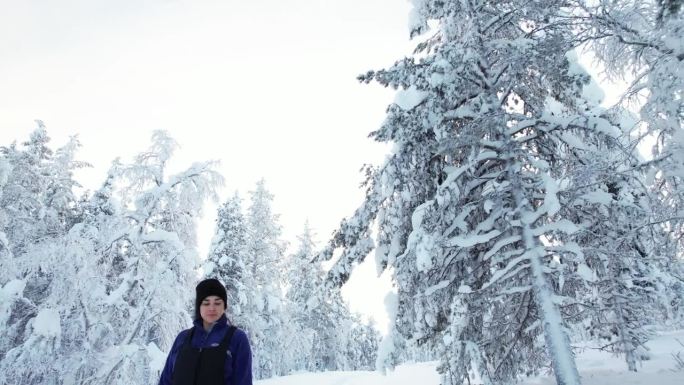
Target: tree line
point(94, 288)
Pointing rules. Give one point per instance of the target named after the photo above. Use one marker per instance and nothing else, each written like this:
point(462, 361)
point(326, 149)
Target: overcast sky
point(267, 87)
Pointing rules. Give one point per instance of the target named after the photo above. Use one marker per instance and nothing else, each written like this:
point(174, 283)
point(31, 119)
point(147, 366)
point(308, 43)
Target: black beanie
point(207, 288)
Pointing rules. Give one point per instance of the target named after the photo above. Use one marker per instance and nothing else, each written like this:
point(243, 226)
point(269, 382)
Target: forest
point(517, 215)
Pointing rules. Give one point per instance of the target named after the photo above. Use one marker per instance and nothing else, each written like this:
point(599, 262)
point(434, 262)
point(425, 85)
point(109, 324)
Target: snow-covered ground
point(413, 374)
point(596, 368)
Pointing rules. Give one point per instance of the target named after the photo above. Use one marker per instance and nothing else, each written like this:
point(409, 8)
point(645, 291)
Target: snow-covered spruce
point(477, 206)
point(96, 296)
point(247, 255)
point(227, 259)
point(274, 298)
point(329, 335)
point(642, 42)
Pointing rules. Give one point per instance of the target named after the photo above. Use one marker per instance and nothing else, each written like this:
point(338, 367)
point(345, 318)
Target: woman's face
point(212, 308)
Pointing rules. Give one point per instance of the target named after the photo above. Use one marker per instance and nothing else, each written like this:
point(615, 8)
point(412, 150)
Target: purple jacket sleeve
point(167, 373)
point(242, 359)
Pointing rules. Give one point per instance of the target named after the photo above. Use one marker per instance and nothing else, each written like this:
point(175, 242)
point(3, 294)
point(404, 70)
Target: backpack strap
point(188, 339)
point(229, 336)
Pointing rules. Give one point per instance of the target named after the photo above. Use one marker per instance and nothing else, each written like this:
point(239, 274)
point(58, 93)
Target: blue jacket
point(238, 367)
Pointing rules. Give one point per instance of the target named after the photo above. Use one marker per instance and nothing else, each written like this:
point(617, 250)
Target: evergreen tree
point(227, 258)
point(328, 335)
point(640, 41)
point(363, 343)
point(27, 192)
point(154, 261)
point(619, 273)
point(36, 212)
point(490, 122)
point(331, 339)
point(6, 260)
point(266, 323)
point(304, 277)
point(109, 280)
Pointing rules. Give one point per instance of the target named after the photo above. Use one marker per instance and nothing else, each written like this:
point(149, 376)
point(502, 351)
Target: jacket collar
point(220, 323)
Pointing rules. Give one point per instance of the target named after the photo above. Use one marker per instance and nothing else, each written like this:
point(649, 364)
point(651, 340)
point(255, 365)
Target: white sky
point(266, 86)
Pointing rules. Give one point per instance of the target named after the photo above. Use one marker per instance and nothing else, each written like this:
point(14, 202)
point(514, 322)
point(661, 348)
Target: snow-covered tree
point(331, 340)
point(109, 281)
point(618, 275)
point(227, 258)
point(37, 196)
point(489, 125)
point(152, 268)
point(37, 208)
point(641, 42)
point(327, 335)
point(265, 319)
point(362, 346)
point(321, 318)
point(304, 277)
point(6, 261)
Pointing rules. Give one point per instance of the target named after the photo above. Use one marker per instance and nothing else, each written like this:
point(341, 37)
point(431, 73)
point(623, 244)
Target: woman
point(212, 352)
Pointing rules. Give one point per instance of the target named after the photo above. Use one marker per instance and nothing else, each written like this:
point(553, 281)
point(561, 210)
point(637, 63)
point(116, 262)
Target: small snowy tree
point(327, 336)
point(331, 340)
point(362, 346)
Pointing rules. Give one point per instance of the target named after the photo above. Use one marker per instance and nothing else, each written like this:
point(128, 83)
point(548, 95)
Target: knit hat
point(207, 288)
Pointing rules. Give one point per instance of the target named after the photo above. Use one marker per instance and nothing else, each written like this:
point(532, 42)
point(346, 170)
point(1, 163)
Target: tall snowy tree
point(304, 277)
point(153, 269)
point(488, 127)
point(227, 259)
point(641, 42)
point(37, 208)
point(267, 325)
point(618, 275)
point(6, 261)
